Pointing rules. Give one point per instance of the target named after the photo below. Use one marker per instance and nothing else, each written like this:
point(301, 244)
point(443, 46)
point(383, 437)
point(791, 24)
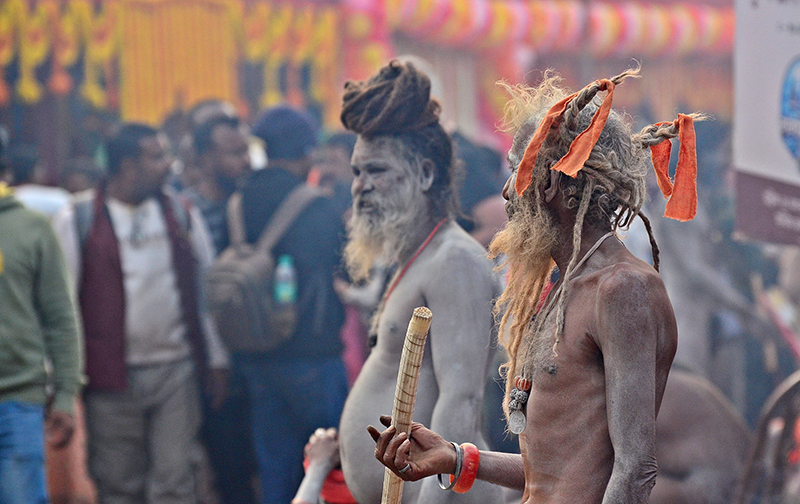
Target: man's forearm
point(312, 483)
point(504, 469)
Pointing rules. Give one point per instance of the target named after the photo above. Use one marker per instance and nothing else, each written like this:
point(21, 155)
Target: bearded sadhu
point(403, 213)
point(589, 362)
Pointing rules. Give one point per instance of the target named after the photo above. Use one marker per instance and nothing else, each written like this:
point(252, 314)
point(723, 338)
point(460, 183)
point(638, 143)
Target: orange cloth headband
point(682, 193)
point(579, 150)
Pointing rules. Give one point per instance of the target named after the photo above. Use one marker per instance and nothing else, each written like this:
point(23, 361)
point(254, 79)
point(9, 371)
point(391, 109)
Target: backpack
point(240, 283)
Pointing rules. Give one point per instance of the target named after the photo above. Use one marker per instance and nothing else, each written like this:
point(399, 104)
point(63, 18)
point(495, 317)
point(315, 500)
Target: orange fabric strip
point(682, 205)
point(525, 169)
point(582, 146)
point(660, 154)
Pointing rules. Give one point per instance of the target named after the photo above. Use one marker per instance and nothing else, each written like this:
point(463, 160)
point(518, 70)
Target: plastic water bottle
point(285, 281)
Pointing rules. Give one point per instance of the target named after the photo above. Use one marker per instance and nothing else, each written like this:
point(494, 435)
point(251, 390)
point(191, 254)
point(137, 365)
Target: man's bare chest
point(393, 317)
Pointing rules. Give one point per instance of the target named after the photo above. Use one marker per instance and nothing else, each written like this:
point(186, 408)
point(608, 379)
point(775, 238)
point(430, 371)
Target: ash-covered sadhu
point(403, 214)
point(394, 111)
point(588, 362)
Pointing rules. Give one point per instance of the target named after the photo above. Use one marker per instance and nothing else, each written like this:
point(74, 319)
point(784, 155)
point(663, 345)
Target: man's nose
point(506, 188)
point(361, 184)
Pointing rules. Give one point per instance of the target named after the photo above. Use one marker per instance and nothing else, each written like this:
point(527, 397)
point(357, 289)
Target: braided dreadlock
point(609, 190)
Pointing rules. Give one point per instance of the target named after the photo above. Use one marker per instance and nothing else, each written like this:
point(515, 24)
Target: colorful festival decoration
point(145, 58)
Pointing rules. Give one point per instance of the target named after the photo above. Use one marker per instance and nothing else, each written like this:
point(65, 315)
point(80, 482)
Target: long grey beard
point(377, 238)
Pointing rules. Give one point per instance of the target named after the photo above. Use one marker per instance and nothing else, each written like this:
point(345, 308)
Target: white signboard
point(766, 146)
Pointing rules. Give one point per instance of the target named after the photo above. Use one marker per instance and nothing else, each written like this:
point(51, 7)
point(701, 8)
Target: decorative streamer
point(120, 42)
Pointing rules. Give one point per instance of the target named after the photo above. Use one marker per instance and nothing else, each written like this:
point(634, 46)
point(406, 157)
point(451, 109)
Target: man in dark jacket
point(300, 385)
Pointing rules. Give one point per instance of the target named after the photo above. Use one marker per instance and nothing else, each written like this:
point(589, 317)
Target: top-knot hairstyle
point(608, 189)
point(396, 102)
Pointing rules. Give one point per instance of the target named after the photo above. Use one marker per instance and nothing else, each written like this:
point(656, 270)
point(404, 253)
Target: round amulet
point(516, 422)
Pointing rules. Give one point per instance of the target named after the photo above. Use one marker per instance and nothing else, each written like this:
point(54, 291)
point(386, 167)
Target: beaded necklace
point(522, 382)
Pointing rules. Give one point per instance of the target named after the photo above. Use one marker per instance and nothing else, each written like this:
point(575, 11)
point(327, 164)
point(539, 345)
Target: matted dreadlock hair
point(610, 189)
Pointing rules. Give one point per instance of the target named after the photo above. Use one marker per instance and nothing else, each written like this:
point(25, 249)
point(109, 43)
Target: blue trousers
point(288, 401)
point(22, 479)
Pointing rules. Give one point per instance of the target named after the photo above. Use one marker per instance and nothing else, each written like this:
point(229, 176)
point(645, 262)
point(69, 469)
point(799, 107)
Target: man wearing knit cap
point(404, 204)
point(589, 359)
point(300, 385)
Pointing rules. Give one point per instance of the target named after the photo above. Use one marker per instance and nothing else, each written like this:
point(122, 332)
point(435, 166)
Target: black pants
point(226, 435)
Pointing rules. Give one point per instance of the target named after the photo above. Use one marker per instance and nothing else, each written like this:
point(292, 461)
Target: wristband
point(469, 468)
point(459, 465)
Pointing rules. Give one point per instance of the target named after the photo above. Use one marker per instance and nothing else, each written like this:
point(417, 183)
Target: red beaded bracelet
point(469, 468)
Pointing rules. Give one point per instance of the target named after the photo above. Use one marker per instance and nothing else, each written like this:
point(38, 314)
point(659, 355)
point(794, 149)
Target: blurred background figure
point(301, 384)
point(37, 324)
point(221, 159)
point(138, 256)
point(332, 168)
point(181, 126)
point(324, 482)
point(28, 178)
point(80, 174)
point(482, 205)
point(702, 443)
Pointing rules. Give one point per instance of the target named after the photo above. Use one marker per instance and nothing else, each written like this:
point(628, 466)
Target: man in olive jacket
point(37, 322)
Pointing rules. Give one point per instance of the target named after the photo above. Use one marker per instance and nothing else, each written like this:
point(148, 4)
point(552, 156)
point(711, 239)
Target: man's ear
point(426, 174)
point(551, 189)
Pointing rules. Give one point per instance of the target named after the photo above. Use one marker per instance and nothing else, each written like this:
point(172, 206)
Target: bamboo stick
point(406, 392)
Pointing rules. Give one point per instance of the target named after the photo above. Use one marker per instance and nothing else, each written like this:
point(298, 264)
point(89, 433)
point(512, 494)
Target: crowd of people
point(106, 313)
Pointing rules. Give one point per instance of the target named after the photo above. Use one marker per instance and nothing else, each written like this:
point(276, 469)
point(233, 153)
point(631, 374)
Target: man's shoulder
point(629, 275)
point(632, 287)
point(456, 245)
point(24, 216)
point(456, 256)
point(82, 199)
point(27, 227)
point(320, 215)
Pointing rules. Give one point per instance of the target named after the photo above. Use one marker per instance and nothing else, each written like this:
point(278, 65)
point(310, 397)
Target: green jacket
point(37, 315)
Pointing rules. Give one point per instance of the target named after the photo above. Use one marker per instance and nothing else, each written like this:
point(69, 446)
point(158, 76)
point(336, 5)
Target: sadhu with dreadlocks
point(403, 213)
point(589, 362)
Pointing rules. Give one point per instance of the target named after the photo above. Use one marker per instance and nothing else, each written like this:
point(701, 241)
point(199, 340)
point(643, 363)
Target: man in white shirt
point(138, 254)
point(28, 179)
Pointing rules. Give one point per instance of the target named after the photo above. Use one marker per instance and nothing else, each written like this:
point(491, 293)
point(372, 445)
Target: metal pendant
point(516, 422)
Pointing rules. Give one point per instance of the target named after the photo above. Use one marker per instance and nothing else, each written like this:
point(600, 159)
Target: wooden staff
point(406, 392)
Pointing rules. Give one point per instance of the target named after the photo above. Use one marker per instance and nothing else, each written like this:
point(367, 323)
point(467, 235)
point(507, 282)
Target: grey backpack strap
point(236, 220)
point(291, 207)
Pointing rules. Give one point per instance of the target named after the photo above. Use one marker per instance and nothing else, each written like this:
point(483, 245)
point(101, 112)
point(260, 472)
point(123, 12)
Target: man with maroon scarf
point(137, 253)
